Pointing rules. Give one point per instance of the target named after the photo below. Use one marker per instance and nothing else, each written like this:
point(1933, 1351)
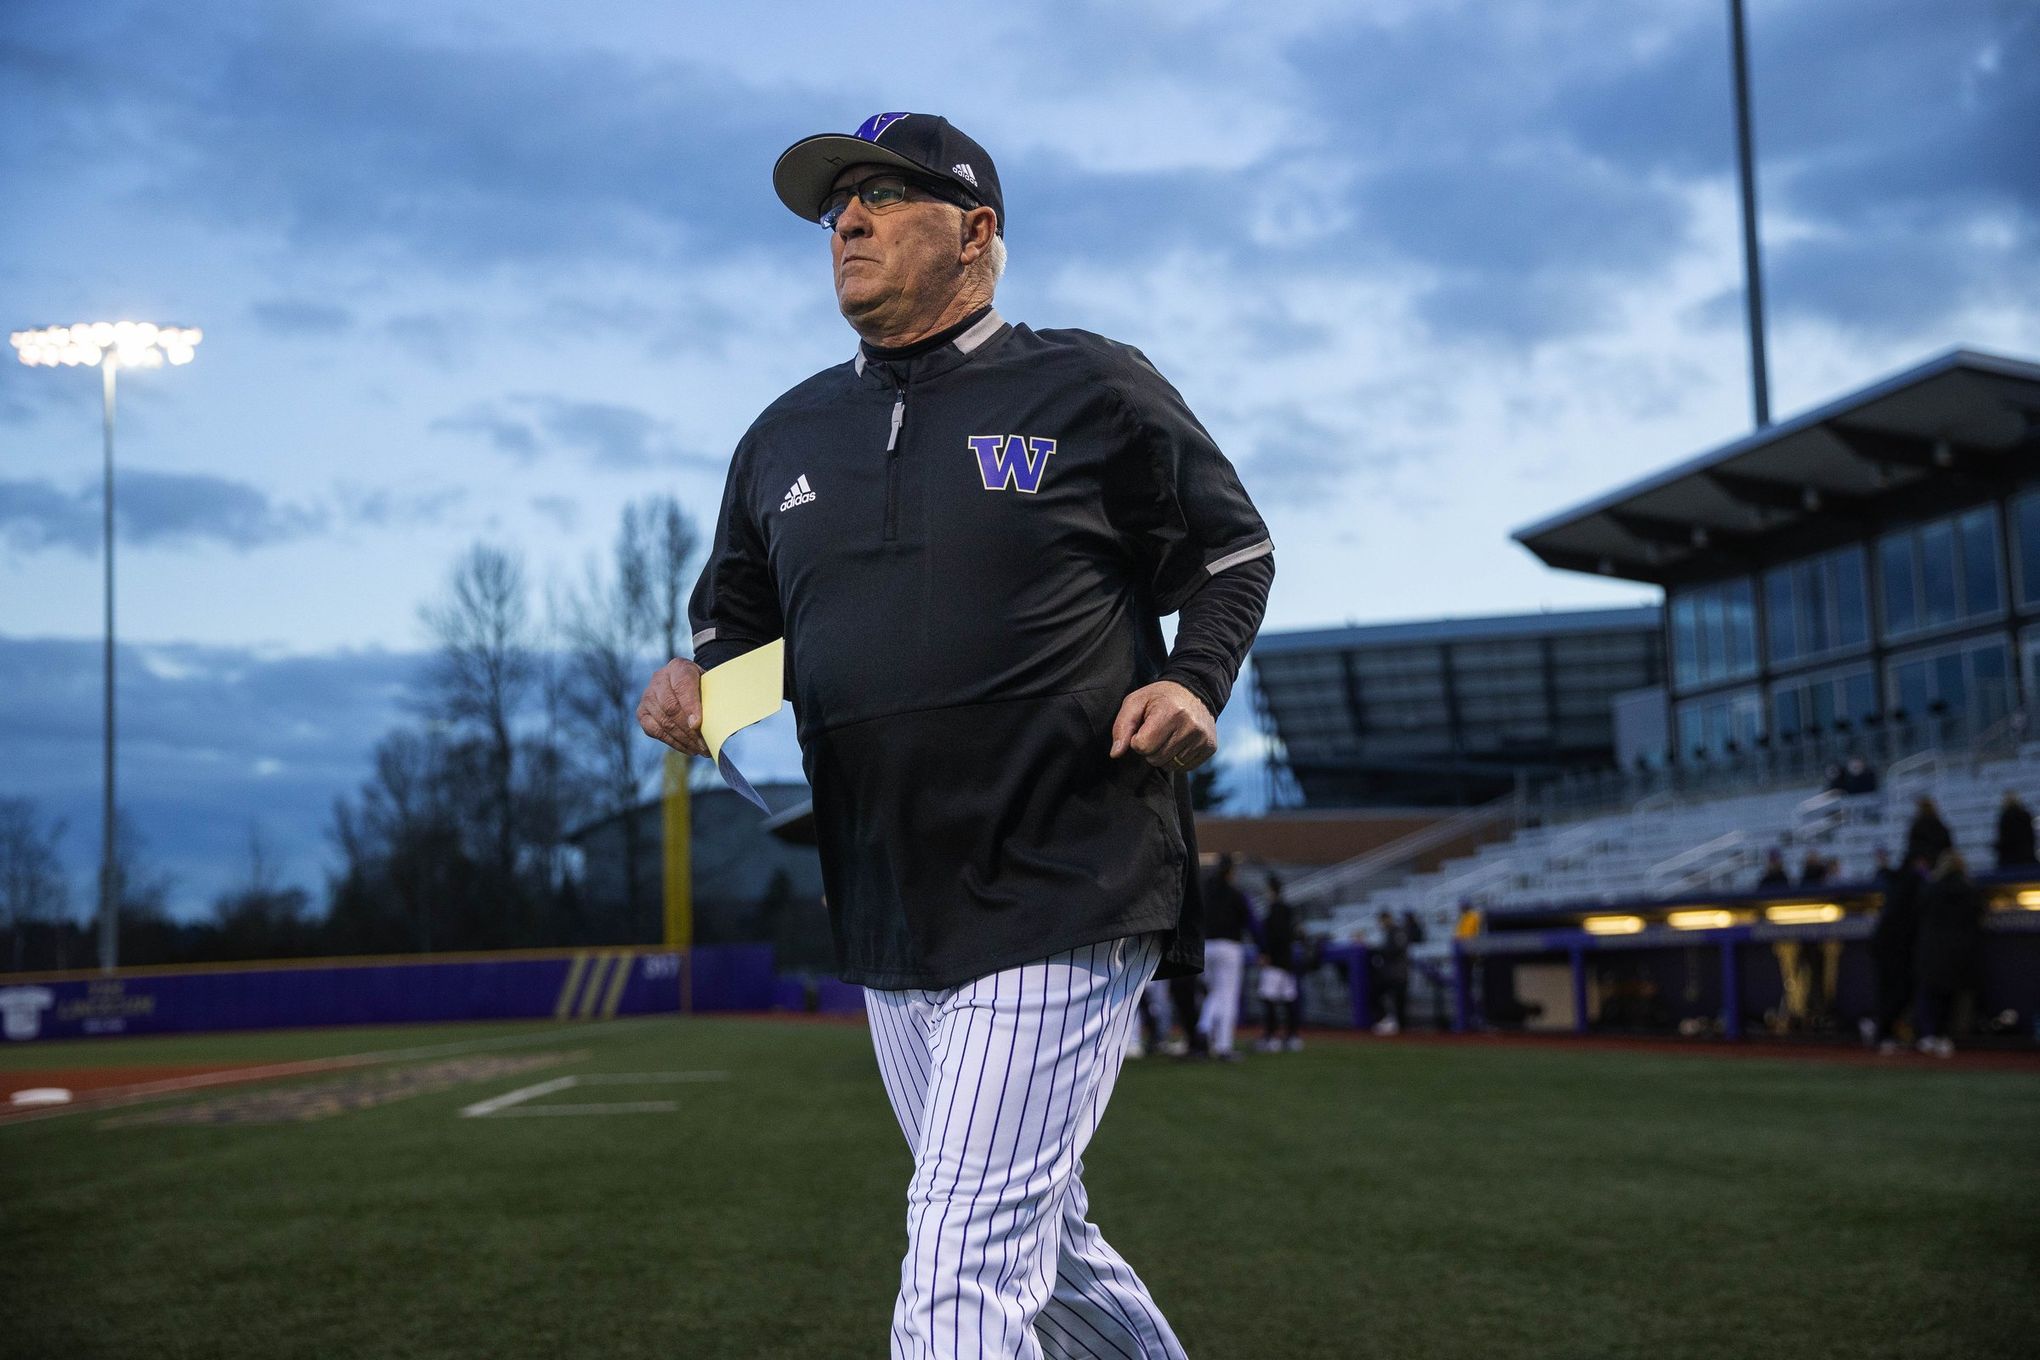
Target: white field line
point(607, 1029)
point(521, 1094)
point(513, 1102)
point(112, 1097)
point(620, 1107)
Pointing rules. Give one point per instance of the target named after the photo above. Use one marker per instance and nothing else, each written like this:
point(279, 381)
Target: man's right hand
point(671, 709)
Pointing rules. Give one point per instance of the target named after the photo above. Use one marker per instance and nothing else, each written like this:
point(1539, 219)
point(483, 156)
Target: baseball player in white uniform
point(967, 535)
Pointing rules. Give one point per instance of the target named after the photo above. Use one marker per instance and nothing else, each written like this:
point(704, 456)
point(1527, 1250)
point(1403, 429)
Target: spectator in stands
point(2014, 833)
point(1950, 940)
point(1928, 837)
point(1858, 777)
point(1892, 945)
point(1813, 870)
point(1392, 975)
point(1471, 921)
point(1281, 997)
point(1776, 875)
point(1228, 922)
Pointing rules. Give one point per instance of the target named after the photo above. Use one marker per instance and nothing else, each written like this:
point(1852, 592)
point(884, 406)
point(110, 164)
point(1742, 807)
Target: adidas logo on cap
point(799, 494)
point(963, 171)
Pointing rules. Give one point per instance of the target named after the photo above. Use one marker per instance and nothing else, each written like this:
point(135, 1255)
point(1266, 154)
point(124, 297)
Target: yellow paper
point(746, 690)
point(742, 691)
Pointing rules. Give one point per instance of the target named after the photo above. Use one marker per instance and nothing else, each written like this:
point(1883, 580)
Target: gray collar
point(965, 344)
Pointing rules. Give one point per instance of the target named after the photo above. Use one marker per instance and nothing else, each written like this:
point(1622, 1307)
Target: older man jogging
point(968, 534)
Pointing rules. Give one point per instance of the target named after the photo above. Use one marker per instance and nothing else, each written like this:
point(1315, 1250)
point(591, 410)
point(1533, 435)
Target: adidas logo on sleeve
point(799, 494)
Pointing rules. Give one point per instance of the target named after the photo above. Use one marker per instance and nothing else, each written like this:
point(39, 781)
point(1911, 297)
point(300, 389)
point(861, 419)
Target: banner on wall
point(587, 984)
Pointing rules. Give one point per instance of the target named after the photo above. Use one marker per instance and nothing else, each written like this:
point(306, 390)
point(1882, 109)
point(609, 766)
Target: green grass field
point(1358, 1199)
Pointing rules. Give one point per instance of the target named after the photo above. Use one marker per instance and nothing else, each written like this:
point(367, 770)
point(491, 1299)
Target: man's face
point(894, 266)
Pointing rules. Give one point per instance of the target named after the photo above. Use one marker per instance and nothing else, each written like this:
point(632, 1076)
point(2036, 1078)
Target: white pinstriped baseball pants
point(999, 1085)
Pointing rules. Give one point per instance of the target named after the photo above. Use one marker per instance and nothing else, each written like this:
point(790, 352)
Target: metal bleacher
point(1666, 846)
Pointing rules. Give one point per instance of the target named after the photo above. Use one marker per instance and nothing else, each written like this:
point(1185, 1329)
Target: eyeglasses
point(883, 193)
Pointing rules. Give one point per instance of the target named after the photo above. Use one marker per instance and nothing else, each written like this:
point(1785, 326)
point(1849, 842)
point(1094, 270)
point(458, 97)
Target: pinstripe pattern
point(998, 1085)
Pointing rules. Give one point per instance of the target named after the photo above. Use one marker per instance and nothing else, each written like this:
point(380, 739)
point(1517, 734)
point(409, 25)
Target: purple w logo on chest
point(1012, 460)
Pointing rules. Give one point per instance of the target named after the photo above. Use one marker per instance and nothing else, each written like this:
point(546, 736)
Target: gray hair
point(987, 269)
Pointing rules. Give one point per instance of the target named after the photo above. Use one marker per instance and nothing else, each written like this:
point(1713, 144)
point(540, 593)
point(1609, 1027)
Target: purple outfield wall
point(569, 984)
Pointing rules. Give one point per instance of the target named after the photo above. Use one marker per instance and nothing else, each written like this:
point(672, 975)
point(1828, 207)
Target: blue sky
point(1428, 270)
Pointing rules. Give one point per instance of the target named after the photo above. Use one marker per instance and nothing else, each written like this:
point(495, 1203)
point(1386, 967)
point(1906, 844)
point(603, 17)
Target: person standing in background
point(1186, 1005)
point(1152, 1035)
point(1928, 837)
point(2014, 833)
point(1951, 936)
point(1892, 944)
point(1228, 923)
point(1775, 875)
point(1281, 997)
point(1392, 975)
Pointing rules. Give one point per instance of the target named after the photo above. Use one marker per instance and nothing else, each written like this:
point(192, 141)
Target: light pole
point(108, 346)
point(1753, 270)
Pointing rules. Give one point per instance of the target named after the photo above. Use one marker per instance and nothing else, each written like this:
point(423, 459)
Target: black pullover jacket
point(968, 546)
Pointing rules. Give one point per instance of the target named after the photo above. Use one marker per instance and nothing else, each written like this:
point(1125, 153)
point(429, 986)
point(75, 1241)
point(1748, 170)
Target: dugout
point(1723, 964)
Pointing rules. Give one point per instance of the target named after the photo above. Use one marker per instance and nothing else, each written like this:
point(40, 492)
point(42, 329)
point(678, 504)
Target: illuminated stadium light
point(1612, 925)
point(108, 346)
point(1712, 918)
point(126, 344)
point(1803, 914)
point(2029, 898)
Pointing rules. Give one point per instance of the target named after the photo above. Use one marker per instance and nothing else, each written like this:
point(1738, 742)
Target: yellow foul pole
point(679, 875)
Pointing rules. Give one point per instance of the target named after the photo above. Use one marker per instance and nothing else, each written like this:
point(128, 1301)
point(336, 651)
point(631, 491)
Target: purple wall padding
point(841, 998)
point(582, 984)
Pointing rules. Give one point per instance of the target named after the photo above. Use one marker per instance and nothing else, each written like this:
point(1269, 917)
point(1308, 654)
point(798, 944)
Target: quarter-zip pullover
point(968, 545)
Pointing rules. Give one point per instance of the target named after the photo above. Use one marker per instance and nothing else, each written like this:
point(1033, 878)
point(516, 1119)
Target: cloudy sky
point(1429, 271)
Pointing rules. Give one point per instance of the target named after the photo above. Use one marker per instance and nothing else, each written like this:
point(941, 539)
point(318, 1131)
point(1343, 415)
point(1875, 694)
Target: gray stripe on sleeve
point(1247, 554)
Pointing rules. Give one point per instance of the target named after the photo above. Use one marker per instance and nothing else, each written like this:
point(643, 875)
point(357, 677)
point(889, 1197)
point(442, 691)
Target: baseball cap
point(924, 143)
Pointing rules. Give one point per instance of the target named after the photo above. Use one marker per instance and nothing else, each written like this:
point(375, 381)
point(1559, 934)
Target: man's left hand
point(1167, 726)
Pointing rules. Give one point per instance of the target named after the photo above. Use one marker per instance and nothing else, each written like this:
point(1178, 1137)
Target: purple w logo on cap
point(872, 128)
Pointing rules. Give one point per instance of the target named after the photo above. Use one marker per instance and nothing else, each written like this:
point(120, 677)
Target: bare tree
point(653, 549)
point(148, 932)
point(401, 847)
point(617, 631)
point(261, 862)
point(552, 791)
point(262, 918)
point(482, 675)
point(605, 677)
point(32, 888)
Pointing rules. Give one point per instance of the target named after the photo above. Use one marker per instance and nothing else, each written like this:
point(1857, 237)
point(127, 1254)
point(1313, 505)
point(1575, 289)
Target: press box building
point(1873, 562)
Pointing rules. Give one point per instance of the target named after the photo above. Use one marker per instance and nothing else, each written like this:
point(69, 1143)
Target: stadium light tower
point(1746, 158)
point(108, 346)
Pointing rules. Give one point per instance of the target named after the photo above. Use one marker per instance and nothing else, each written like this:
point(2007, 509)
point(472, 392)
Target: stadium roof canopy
point(1434, 631)
point(1962, 413)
